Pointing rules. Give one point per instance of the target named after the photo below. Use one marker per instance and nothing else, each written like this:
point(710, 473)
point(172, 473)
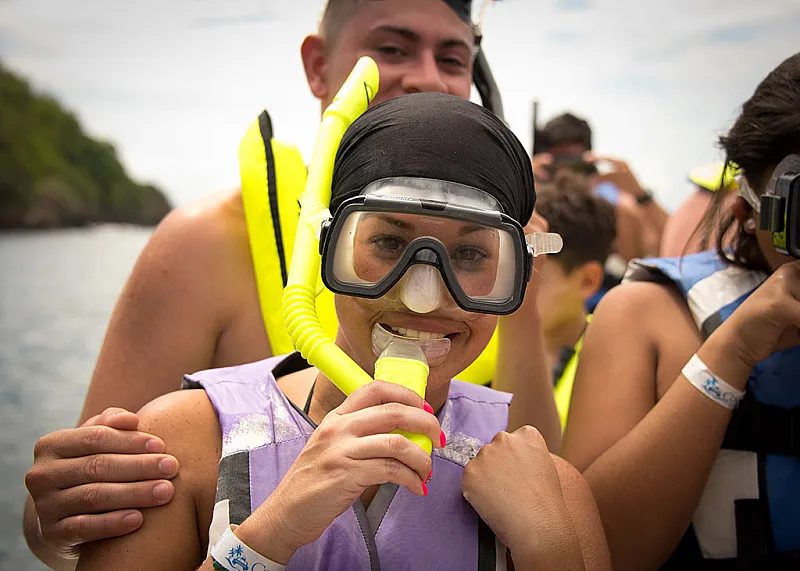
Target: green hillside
point(52, 174)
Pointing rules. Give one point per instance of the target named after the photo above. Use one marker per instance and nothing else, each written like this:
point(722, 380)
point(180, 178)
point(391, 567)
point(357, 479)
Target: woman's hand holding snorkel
point(351, 450)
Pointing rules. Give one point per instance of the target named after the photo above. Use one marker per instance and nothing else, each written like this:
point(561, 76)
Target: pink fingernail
point(442, 439)
point(424, 489)
point(430, 475)
point(427, 407)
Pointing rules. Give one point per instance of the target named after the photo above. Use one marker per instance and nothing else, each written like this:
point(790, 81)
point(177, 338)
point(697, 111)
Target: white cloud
point(174, 84)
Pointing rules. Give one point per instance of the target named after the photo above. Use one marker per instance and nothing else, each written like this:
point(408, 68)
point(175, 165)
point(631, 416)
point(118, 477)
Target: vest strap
point(265, 126)
point(753, 533)
point(763, 428)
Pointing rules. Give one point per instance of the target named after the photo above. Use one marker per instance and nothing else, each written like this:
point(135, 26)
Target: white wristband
point(710, 384)
point(232, 554)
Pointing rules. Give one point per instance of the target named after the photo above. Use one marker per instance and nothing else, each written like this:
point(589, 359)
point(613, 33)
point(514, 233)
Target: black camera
point(780, 207)
point(575, 163)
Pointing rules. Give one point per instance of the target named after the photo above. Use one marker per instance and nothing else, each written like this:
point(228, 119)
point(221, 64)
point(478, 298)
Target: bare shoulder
point(187, 423)
point(649, 313)
point(210, 229)
point(632, 304)
point(199, 256)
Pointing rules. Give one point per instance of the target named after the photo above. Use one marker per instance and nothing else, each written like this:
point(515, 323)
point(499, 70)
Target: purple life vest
point(263, 433)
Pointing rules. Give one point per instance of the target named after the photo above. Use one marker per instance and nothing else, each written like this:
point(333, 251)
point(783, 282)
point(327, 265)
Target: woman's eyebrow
point(471, 228)
point(405, 225)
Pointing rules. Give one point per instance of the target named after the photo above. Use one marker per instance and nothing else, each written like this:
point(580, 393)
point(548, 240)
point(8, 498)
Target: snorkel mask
point(779, 206)
point(427, 243)
point(414, 238)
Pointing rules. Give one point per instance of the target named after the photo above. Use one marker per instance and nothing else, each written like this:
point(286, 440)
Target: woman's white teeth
point(414, 334)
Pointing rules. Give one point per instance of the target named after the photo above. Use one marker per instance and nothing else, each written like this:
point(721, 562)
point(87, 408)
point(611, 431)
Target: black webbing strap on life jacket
point(764, 428)
point(265, 126)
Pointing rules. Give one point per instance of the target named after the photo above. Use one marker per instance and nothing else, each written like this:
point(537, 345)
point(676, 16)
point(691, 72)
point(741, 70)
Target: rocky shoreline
point(54, 175)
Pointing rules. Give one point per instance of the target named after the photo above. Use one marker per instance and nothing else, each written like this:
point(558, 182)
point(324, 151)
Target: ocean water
point(57, 291)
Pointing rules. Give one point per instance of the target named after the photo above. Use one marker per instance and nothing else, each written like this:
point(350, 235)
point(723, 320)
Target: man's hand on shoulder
point(88, 483)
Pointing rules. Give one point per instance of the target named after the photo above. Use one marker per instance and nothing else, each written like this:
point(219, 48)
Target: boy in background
point(587, 225)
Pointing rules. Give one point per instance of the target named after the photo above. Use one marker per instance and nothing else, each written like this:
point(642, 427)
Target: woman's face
point(469, 333)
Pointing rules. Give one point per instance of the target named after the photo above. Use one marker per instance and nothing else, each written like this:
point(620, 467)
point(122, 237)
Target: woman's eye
point(388, 244)
point(469, 254)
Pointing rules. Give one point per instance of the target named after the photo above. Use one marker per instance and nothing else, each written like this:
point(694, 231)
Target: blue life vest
point(749, 514)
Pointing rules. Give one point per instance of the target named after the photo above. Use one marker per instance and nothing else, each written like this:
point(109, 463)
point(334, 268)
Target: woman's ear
point(744, 214)
point(741, 209)
point(315, 64)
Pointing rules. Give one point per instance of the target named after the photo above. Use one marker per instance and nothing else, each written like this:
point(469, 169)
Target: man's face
point(419, 45)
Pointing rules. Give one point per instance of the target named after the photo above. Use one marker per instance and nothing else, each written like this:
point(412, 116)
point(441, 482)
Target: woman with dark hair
point(684, 416)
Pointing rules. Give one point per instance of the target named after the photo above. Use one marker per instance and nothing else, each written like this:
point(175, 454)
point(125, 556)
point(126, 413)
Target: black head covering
point(462, 8)
point(437, 136)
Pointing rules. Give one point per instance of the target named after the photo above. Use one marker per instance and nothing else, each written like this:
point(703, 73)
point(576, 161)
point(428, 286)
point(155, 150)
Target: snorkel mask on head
point(779, 206)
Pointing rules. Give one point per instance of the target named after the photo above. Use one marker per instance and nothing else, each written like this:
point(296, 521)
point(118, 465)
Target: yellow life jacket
point(562, 390)
point(714, 176)
point(273, 177)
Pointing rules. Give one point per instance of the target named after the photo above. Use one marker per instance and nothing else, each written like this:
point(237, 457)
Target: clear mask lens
point(483, 259)
point(399, 233)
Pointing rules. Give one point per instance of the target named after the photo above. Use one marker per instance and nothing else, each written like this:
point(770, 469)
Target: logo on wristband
point(237, 560)
point(713, 390)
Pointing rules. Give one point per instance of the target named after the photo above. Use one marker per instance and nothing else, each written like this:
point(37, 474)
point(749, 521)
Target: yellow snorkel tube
point(397, 364)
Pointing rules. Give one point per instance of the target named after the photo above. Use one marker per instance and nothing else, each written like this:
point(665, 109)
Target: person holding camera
point(683, 415)
point(565, 143)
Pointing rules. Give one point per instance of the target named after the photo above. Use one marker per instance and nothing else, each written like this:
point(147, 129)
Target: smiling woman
point(329, 485)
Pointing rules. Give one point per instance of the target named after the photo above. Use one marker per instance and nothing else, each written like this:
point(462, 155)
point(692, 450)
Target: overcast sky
point(174, 83)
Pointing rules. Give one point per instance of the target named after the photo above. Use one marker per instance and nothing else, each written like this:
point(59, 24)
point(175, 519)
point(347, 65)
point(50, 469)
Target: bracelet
point(710, 384)
point(231, 554)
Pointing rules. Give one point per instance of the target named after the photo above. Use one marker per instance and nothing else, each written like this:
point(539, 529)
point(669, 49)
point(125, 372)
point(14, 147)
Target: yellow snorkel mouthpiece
point(399, 365)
